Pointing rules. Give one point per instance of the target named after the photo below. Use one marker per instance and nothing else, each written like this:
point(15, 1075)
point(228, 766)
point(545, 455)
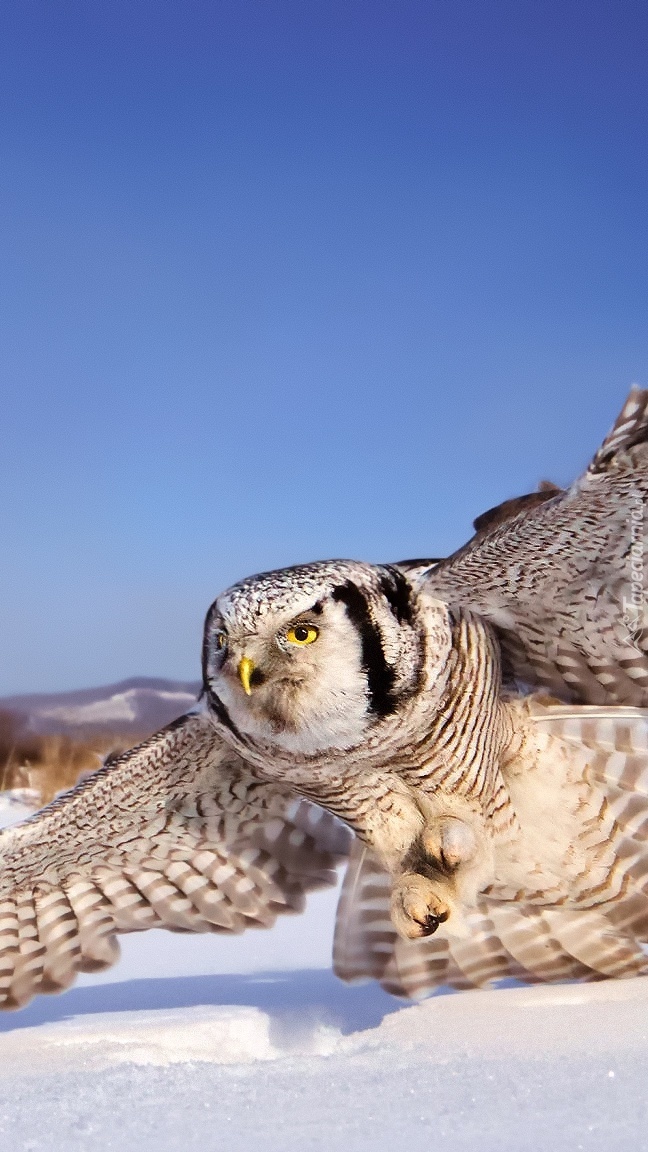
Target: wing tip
point(629, 430)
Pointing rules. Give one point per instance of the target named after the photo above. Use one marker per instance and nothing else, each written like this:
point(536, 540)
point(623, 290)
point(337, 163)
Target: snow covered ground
point(295, 1061)
point(250, 1043)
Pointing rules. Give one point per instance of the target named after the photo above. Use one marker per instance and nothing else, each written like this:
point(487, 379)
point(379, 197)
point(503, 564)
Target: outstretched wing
point(560, 575)
point(601, 932)
point(174, 834)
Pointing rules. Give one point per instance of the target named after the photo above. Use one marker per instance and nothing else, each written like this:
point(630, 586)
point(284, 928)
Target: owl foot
point(418, 906)
point(449, 842)
point(446, 868)
point(455, 844)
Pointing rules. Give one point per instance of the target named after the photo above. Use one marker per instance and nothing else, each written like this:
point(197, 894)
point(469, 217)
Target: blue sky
point(285, 280)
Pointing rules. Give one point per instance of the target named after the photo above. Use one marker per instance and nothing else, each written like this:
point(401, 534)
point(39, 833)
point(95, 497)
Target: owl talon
point(417, 907)
point(433, 922)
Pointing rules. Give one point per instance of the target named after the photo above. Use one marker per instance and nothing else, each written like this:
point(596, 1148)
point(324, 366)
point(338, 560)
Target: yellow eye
point(302, 634)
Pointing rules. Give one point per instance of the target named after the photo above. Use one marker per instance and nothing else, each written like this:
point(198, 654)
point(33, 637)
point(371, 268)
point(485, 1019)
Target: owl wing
point(603, 932)
point(176, 834)
point(505, 941)
point(560, 575)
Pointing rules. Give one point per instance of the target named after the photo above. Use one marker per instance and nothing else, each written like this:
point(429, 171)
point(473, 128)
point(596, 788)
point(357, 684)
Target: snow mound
point(502, 1023)
point(298, 1062)
point(213, 1035)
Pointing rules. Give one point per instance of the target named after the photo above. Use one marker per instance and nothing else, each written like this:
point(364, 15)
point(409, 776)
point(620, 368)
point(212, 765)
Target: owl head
point(313, 657)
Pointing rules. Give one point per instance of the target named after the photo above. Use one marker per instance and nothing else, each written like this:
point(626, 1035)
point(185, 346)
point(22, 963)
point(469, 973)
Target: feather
point(601, 932)
point(176, 833)
point(554, 575)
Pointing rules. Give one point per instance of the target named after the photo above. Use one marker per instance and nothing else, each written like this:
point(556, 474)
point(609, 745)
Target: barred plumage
point(175, 834)
point(499, 832)
point(601, 931)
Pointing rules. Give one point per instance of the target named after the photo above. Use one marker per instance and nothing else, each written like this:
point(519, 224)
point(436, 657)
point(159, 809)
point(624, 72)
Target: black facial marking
point(398, 592)
point(220, 712)
point(316, 609)
point(380, 677)
point(214, 702)
point(257, 677)
point(211, 625)
point(206, 648)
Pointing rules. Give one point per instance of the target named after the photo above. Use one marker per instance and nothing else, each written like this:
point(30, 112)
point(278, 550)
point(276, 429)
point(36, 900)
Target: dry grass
point(49, 764)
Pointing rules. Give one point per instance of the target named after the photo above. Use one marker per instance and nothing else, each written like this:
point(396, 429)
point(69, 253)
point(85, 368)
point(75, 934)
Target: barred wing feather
point(555, 575)
point(177, 834)
point(601, 931)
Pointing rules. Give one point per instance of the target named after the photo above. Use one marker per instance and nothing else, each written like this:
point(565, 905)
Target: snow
point(17, 804)
point(117, 708)
point(296, 1061)
point(250, 1044)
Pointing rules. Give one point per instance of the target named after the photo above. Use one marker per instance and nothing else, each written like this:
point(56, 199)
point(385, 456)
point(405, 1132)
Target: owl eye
point(221, 640)
point(302, 634)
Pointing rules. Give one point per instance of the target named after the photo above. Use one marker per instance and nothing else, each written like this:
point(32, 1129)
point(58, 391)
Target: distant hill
point(48, 740)
point(134, 707)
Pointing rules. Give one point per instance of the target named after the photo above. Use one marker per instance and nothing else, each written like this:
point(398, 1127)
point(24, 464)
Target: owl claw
point(417, 906)
point(447, 866)
point(434, 922)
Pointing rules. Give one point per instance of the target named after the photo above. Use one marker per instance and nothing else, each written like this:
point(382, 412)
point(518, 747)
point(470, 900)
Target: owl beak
point(245, 670)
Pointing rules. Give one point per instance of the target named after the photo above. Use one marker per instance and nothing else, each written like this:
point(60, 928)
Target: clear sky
point(288, 279)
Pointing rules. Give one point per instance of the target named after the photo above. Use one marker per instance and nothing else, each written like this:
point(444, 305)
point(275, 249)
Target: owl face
point(312, 657)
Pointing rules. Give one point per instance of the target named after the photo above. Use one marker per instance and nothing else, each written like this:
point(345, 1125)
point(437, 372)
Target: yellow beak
point(245, 670)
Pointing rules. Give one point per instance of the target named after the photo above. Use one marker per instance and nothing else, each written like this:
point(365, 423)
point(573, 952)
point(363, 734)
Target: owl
point(469, 734)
